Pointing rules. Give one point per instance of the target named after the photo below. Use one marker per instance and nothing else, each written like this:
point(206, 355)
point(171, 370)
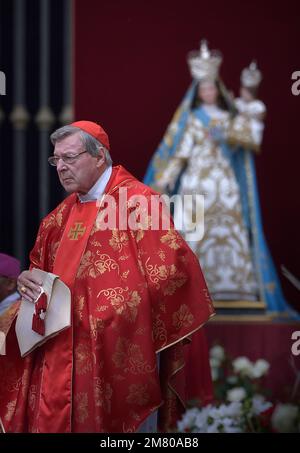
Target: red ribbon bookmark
point(38, 319)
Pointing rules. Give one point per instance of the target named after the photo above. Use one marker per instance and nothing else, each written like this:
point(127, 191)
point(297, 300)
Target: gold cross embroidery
point(76, 231)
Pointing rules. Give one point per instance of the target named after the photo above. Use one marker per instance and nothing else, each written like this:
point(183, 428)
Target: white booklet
point(57, 316)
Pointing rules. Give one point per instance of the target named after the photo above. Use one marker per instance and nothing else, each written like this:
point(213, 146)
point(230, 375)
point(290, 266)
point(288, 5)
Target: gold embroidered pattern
point(81, 407)
point(92, 266)
point(172, 239)
point(183, 317)
point(177, 279)
point(139, 234)
point(59, 215)
point(11, 407)
point(174, 277)
point(96, 243)
point(125, 306)
point(103, 393)
point(24, 382)
point(32, 397)
point(83, 359)
point(138, 394)
point(96, 325)
point(129, 357)
point(159, 330)
point(156, 273)
point(143, 225)
point(119, 240)
point(55, 219)
point(53, 247)
point(125, 273)
point(161, 254)
point(49, 221)
point(79, 303)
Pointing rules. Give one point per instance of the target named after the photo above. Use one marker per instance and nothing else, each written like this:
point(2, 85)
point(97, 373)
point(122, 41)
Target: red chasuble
point(134, 293)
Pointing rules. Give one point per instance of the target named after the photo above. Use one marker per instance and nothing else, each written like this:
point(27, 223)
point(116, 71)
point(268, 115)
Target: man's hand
point(29, 286)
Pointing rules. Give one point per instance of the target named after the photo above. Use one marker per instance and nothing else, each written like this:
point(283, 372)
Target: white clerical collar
point(98, 188)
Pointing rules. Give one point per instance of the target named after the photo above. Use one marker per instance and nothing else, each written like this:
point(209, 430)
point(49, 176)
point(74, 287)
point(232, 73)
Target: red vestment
point(134, 293)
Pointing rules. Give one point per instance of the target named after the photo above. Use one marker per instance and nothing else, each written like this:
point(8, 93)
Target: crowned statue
point(208, 149)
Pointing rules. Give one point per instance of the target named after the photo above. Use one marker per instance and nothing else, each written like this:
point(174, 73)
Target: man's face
point(81, 175)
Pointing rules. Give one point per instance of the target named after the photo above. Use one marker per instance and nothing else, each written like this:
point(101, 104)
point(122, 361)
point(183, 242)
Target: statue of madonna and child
point(209, 149)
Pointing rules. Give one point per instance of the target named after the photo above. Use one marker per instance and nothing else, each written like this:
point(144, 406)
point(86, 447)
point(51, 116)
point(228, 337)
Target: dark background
point(31, 45)
point(130, 73)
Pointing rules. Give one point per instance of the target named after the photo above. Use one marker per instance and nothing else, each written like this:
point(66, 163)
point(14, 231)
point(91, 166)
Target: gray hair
point(91, 144)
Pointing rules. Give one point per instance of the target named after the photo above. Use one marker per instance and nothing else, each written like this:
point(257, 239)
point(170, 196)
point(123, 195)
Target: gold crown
point(204, 64)
point(251, 76)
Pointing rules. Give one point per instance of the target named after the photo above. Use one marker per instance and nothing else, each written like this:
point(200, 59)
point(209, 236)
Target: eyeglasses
point(68, 159)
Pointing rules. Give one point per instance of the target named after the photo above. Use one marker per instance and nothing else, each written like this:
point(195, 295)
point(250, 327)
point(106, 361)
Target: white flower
point(259, 405)
point(215, 413)
point(260, 368)
point(284, 418)
point(242, 365)
point(233, 409)
point(238, 414)
point(201, 421)
point(231, 425)
point(236, 394)
point(188, 420)
point(217, 352)
point(213, 428)
point(212, 419)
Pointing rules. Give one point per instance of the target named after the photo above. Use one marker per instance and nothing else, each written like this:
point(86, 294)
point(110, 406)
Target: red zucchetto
point(95, 130)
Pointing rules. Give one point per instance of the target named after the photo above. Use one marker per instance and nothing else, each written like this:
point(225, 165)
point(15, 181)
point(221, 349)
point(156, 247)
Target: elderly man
point(136, 292)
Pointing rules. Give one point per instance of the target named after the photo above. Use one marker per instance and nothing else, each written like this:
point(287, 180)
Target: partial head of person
point(251, 78)
point(9, 272)
point(81, 154)
point(204, 66)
